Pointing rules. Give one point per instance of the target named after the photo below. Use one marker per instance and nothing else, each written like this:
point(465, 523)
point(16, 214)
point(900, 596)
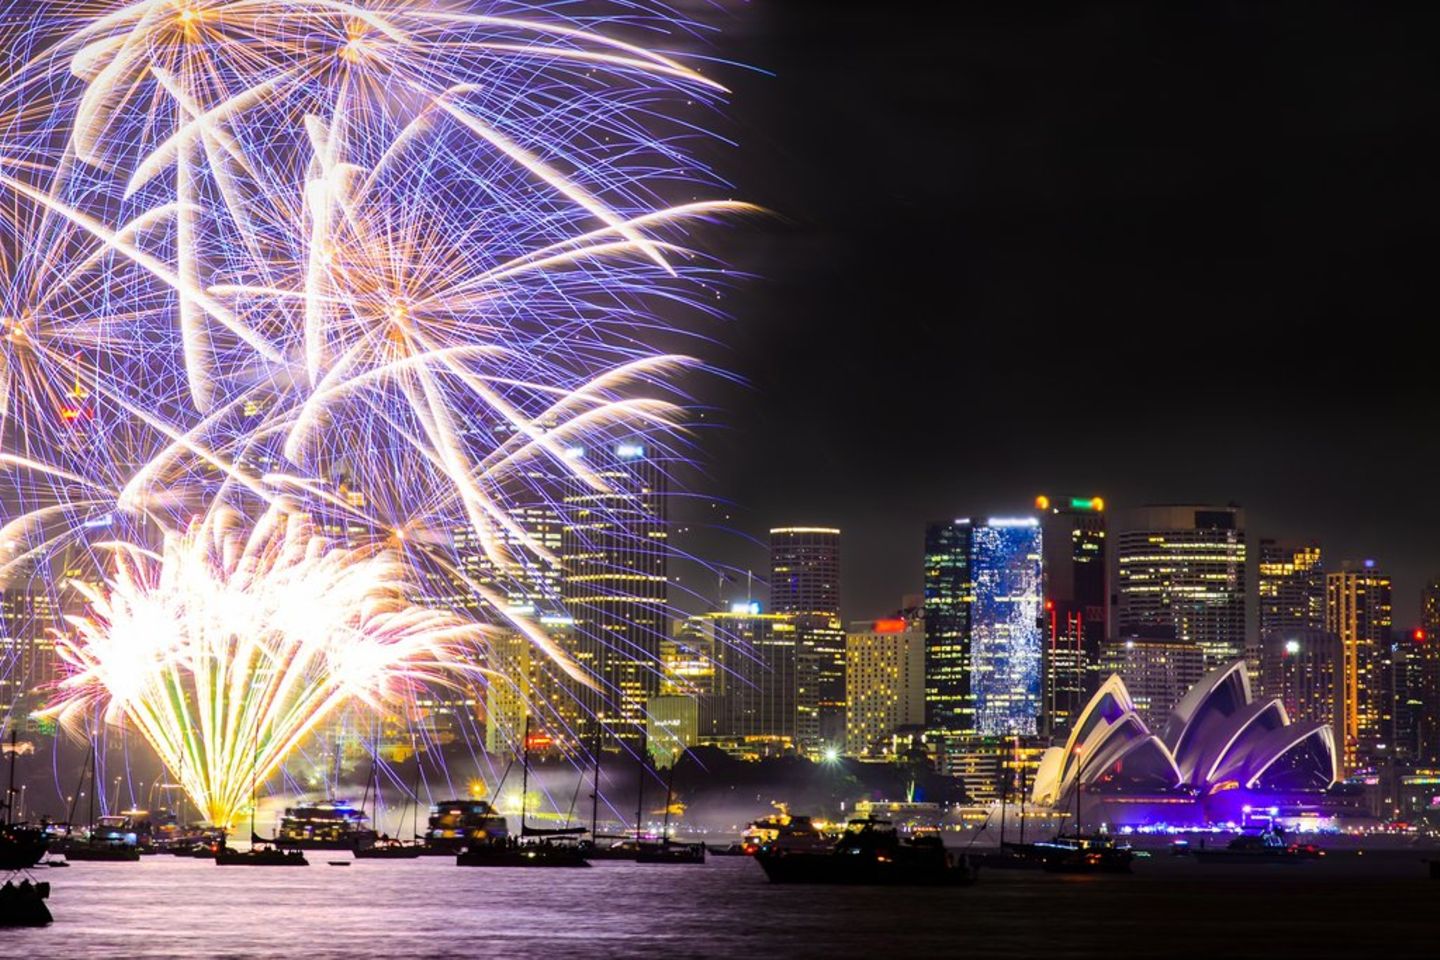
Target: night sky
point(1157, 252)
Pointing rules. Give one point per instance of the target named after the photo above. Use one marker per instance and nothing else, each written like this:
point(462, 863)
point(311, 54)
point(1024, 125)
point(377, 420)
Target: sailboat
point(624, 847)
point(1012, 856)
point(547, 848)
point(391, 848)
point(667, 850)
point(21, 845)
point(97, 848)
point(262, 852)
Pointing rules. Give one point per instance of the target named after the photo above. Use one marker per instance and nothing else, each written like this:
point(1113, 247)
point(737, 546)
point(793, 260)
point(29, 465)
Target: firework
point(383, 264)
point(232, 645)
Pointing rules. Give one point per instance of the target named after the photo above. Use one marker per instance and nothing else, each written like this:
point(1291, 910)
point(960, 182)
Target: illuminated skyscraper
point(885, 682)
point(1006, 645)
point(1157, 670)
point(1305, 668)
point(984, 646)
point(743, 669)
point(805, 585)
point(1290, 583)
point(949, 707)
point(805, 570)
point(1075, 602)
point(1427, 651)
point(614, 584)
point(1183, 568)
point(1358, 612)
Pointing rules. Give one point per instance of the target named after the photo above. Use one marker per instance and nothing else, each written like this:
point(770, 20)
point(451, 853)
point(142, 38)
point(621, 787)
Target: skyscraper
point(1157, 670)
point(947, 599)
point(805, 585)
point(1073, 530)
point(1006, 647)
point(1183, 567)
point(614, 584)
point(1358, 612)
point(983, 642)
point(1305, 668)
point(1427, 651)
point(805, 570)
point(1290, 584)
point(885, 682)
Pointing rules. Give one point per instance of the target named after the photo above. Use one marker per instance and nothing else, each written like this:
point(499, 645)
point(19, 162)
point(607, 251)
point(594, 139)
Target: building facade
point(948, 595)
point(805, 571)
point(1305, 669)
point(1157, 670)
point(885, 682)
point(1290, 588)
point(1074, 623)
point(1358, 611)
point(1182, 568)
point(614, 556)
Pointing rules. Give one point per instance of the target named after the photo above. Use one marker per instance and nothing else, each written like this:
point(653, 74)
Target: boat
point(457, 825)
point(23, 904)
point(728, 850)
point(622, 848)
point(1083, 854)
point(519, 853)
point(870, 852)
point(668, 851)
point(785, 831)
point(1265, 847)
point(385, 847)
point(22, 845)
point(109, 839)
point(260, 856)
point(1012, 856)
point(388, 848)
point(324, 825)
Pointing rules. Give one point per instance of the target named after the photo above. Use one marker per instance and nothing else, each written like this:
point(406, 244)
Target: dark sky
point(1158, 252)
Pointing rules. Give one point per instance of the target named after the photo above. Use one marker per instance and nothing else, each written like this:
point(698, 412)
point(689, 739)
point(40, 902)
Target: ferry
point(324, 825)
point(457, 825)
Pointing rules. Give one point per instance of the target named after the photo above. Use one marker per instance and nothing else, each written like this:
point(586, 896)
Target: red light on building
point(539, 741)
point(1049, 604)
point(890, 626)
point(1419, 635)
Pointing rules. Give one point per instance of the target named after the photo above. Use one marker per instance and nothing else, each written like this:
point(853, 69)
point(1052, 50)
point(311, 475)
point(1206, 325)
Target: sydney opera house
point(1220, 754)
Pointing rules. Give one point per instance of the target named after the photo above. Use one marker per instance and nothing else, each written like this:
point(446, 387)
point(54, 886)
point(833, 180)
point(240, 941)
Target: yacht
point(324, 825)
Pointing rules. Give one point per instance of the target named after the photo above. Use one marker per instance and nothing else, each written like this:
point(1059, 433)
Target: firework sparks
point(229, 648)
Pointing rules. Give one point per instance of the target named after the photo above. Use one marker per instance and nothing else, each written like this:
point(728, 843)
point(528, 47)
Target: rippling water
point(1380, 904)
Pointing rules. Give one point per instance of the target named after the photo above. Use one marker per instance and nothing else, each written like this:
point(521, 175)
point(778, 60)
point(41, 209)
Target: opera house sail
point(1220, 754)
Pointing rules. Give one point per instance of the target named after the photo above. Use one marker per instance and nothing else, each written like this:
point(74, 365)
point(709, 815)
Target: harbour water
point(1350, 905)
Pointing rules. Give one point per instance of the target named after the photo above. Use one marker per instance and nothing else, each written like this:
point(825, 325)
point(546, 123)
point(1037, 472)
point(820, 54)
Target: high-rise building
point(805, 585)
point(805, 570)
point(1183, 568)
point(744, 671)
point(1305, 668)
point(614, 556)
point(1290, 585)
point(1157, 669)
point(984, 646)
point(885, 682)
point(947, 601)
point(1427, 651)
point(1006, 646)
point(1073, 530)
point(1358, 612)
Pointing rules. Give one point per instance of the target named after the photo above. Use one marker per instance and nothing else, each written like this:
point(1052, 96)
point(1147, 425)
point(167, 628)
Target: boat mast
point(1004, 795)
point(595, 784)
point(640, 787)
point(524, 772)
point(94, 774)
point(10, 790)
point(669, 797)
point(1022, 794)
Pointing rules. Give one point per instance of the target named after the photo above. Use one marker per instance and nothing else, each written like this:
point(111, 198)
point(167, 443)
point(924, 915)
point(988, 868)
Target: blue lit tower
point(984, 646)
point(1006, 644)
